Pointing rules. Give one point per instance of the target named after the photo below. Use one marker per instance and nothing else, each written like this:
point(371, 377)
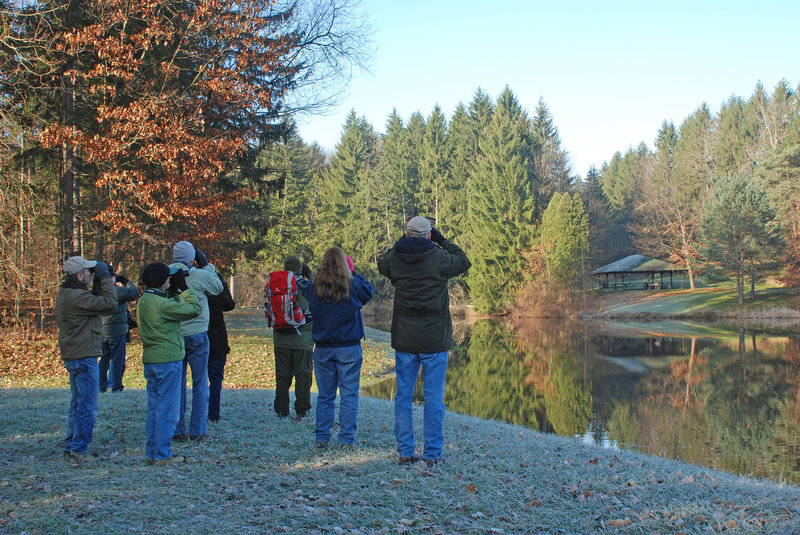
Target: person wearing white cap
point(80, 340)
point(419, 266)
point(202, 278)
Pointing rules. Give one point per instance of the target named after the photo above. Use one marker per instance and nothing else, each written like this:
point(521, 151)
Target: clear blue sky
point(610, 72)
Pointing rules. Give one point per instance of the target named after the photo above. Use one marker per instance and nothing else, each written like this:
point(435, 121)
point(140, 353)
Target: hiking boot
point(283, 415)
point(175, 459)
point(408, 460)
point(197, 438)
point(183, 437)
point(301, 414)
point(434, 462)
point(79, 458)
point(322, 445)
point(348, 447)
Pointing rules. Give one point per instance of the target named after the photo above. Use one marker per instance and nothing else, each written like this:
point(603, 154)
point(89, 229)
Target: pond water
point(725, 397)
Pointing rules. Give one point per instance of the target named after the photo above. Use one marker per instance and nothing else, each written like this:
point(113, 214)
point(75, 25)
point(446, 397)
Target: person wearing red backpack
point(294, 355)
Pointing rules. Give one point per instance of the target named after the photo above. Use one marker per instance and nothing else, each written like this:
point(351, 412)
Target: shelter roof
point(637, 263)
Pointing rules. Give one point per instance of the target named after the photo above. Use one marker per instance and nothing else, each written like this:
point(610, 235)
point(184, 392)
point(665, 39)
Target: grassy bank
point(259, 474)
point(702, 303)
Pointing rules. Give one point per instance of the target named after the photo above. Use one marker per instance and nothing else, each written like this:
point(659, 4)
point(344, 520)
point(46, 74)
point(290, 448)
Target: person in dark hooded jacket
point(419, 266)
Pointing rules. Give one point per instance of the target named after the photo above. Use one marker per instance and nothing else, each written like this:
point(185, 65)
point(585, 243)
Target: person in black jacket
point(218, 340)
point(419, 266)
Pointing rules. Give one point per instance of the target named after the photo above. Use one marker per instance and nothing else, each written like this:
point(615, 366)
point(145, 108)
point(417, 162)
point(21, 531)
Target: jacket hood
point(411, 249)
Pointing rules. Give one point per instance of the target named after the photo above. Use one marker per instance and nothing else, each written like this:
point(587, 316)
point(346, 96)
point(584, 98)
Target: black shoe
point(197, 438)
point(283, 415)
point(301, 414)
point(183, 437)
point(120, 389)
point(322, 445)
point(409, 460)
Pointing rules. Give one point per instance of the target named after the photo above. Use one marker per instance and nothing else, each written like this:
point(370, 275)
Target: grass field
point(722, 302)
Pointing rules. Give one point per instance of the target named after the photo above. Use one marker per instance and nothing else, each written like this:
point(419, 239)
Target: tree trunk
point(753, 287)
point(69, 185)
point(740, 286)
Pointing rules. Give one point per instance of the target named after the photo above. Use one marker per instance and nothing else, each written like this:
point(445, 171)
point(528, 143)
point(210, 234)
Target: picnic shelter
point(638, 272)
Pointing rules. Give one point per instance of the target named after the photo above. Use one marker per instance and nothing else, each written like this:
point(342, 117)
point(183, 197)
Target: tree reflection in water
point(731, 401)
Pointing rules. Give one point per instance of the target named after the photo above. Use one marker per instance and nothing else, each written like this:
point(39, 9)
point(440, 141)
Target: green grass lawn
point(702, 302)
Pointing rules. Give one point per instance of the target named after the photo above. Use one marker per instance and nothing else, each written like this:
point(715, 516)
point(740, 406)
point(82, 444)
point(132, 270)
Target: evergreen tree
point(600, 223)
point(462, 147)
point(416, 135)
point(501, 208)
point(736, 131)
point(340, 222)
point(397, 165)
point(434, 166)
point(565, 238)
point(740, 234)
point(551, 165)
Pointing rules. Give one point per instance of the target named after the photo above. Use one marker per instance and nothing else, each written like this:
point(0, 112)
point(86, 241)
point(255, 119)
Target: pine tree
point(600, 223)
point(501, 208)
point(565, 238)
point(551, 165)
point(434, 166)
point(740, 232)
point(397, 165)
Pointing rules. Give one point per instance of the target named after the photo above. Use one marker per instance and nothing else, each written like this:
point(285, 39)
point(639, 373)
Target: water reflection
point(730, 401)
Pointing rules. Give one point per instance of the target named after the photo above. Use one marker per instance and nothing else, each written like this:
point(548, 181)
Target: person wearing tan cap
point(80, 339)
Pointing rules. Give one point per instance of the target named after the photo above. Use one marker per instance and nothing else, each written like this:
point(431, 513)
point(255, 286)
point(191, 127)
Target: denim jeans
point(216, 372)
point(112, 363)
point(434, 367)
point(84, 394)
point(197, 348)
point(163, 403)
point(337, 367)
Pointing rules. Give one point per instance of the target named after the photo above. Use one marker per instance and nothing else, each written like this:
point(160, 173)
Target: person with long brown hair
point(336, 295)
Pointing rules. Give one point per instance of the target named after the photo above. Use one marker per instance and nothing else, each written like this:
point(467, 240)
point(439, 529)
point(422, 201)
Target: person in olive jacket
point(80, 339)
point(419, 266)
point(159, 314)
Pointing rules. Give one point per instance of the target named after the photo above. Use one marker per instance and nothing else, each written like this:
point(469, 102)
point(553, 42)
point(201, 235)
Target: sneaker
point(175, 459)
point(197, 438)
point(322, 445)
point(409, 460)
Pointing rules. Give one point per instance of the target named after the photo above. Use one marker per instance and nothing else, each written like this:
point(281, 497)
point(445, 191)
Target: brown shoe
point(322, 445)
point(348, 447)
point(409, 460)
point(175, 459)
point(434, 462)
point(197, 438)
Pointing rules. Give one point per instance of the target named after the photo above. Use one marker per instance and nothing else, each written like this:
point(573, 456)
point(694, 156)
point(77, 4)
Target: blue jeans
point(163, 403)
point(337, 367)
point(112, 363)
point(216, 372)
point(84, 394)
point(434, 367)
point(197, 348)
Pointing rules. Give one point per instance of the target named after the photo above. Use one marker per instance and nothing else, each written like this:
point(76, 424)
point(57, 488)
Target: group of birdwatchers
point(180, 319)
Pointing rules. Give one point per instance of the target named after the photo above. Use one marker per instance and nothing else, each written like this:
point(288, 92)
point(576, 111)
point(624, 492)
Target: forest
point(128, 126)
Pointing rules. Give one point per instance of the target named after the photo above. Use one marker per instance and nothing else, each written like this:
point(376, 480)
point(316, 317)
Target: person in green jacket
point(80, 339)
point(419, 266)
point(159, 313)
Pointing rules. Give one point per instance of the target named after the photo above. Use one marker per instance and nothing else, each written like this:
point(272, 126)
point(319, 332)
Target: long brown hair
point(332, 280)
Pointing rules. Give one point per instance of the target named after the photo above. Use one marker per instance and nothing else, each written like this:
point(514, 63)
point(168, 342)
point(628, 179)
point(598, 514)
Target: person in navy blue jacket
point(335, 296)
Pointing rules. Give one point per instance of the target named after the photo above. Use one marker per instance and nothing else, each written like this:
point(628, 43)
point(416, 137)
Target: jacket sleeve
point(361, 289)
point(456, 261)
point(383, 264)
point(127, 293)
point(175, 309)
point(224, 299)
point(100, 302)
point(214, 284)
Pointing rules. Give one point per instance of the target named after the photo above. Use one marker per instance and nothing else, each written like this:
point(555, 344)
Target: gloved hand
point(349, 263)
point(122, 279)
point(306, 272)
point(200, 259)
point(177, 282)
point(436, 236)
point(101, 271)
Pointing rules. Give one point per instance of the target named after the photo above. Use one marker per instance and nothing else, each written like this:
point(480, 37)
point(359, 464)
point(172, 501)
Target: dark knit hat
point(293, 263)
point(155, 275)
point(183, 252)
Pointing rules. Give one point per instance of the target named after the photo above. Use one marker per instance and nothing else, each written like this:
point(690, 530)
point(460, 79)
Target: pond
point(726, 397)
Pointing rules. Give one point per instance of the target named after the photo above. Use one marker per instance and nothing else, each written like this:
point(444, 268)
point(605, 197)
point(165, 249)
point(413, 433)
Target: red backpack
point(280, 302)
